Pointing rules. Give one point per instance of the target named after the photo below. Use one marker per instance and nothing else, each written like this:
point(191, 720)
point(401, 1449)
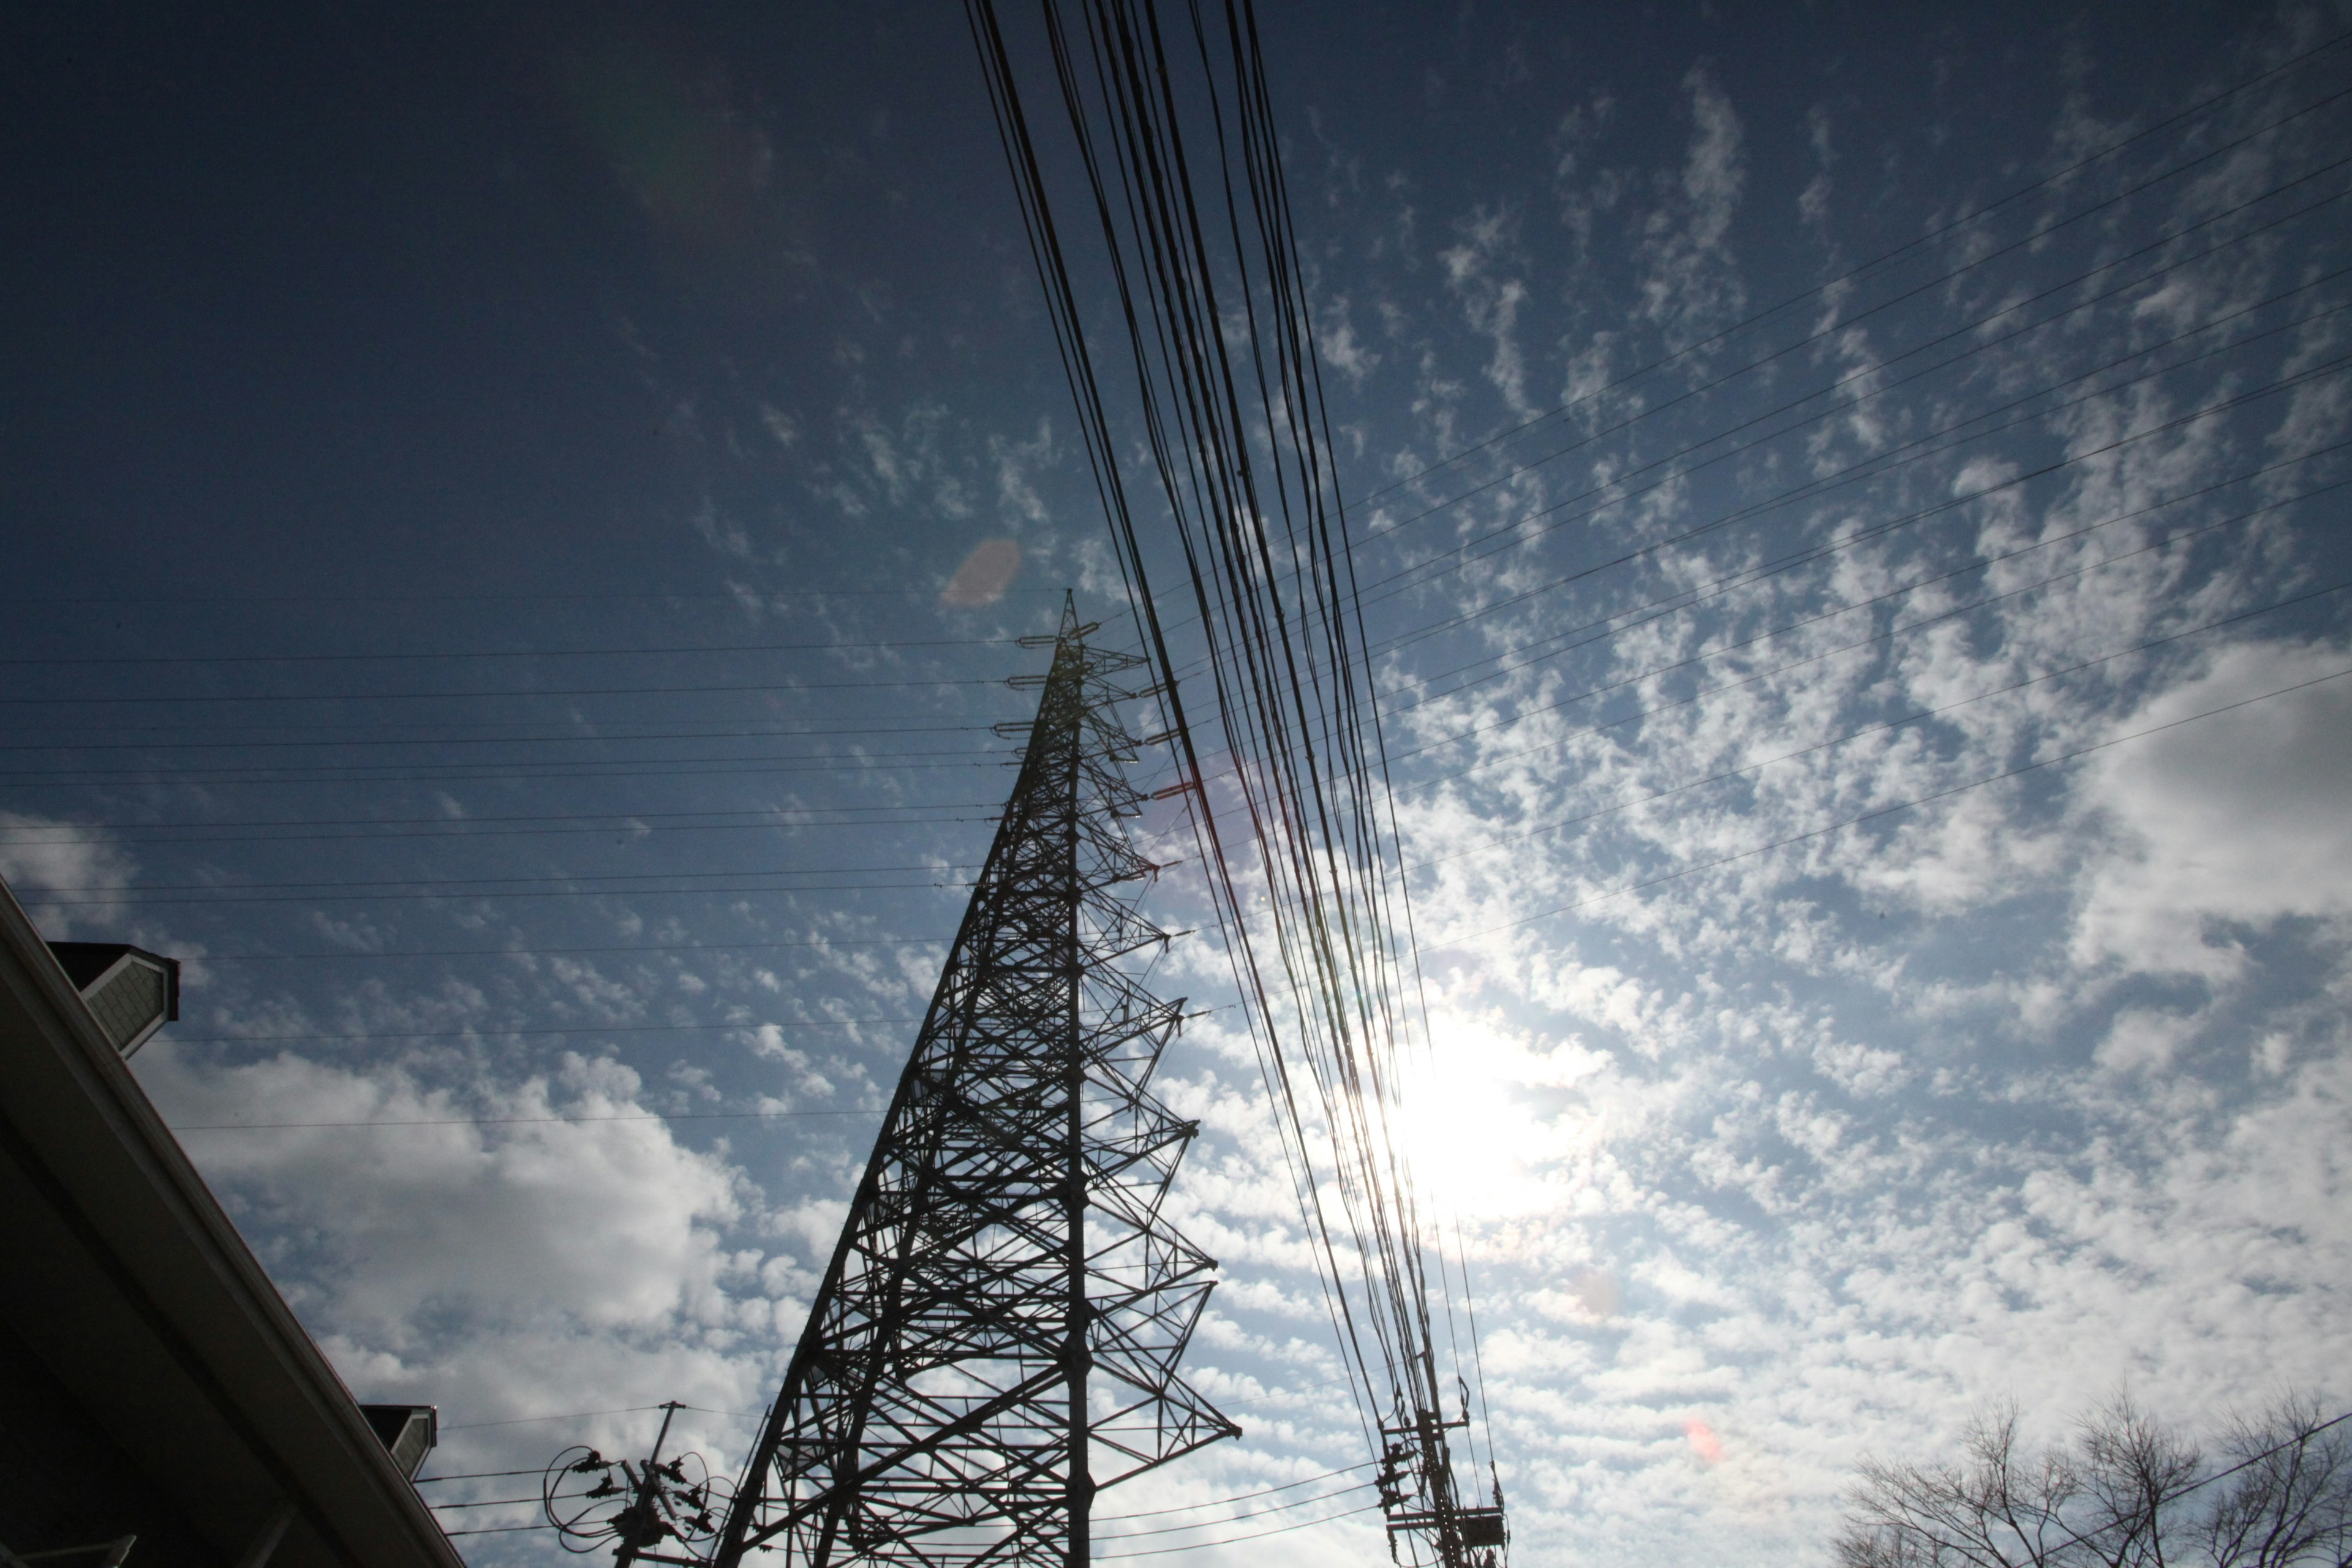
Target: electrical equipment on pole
point(997, 1336)
point(637, 1505)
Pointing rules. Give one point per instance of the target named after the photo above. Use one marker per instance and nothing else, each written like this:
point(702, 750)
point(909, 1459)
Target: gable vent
point(131, 992)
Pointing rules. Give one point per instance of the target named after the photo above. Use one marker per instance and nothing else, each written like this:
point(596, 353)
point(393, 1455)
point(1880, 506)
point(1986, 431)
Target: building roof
point(132, 1286)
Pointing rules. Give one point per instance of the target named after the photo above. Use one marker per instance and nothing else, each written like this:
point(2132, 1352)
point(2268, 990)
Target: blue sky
point(517, 518)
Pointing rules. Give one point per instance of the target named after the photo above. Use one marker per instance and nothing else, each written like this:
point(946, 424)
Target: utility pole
point(996, 1338)
point(643, 1525)
point(670, 1502)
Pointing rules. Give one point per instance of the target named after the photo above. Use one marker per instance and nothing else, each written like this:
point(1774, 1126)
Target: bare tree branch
point(2130, 1491)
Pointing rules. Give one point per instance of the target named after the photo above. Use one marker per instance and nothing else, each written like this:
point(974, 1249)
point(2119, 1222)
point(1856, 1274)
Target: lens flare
point(984, 575)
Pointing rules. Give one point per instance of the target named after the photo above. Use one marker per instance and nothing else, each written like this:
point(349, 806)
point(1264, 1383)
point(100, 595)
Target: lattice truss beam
point(998, 1334)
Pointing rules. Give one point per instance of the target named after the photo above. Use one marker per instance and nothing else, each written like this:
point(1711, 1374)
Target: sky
point(517, 518)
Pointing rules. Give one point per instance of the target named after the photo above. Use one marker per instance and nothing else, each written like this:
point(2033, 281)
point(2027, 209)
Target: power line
point(1879, 465)
point(2252, 1460)
point(457, 891)
point(496, 1032)
point(1297, 797)
point(1876, 463)
point(1890, 810)
point(1239, 1519)
point(586, 772)
point(1961, 332)
point(587, 767)
point(1687, 599)
point(567, 951)
point(502, 882)
point(534, 1420)
point(1889, 635)
point(1241, 1496)
point(566, 1415)
point(767, 688)
point(1871, 729)
point(574, 739)
point(769, 815)
point(756, 595)
point(1703, 591)
point(2163, 1497)
point(616, 818)
point(619, 831)
point(441, 895)
point(1106, 1556)
point(513, 653)
point(445, 897)
point(496, 1529)
point(500, 726)
point(1876, 466)
point(1233, 1539)
point(518, 1121)
point(568, 739)
point(1684, 600)
point(1969, 219)
point(1877, 728)
point(1139, 1554)
point(1952, 504)
point(1690, 598)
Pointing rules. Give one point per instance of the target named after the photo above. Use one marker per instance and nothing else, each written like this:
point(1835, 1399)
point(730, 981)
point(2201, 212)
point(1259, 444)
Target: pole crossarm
point(998, 1334)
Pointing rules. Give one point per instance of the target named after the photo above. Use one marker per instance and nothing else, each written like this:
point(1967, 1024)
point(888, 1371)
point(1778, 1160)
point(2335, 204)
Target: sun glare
point(1468, 1131)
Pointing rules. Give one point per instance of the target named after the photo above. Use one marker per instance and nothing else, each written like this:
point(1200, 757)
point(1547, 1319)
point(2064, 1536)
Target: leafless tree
point(2128, 1492)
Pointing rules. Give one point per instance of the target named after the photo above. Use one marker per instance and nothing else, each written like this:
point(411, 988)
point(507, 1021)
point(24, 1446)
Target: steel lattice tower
point(1006, 1308)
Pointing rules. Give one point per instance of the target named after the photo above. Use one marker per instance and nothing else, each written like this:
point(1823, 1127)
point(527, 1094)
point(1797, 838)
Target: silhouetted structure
point(159, 1404)
point(997, 1336)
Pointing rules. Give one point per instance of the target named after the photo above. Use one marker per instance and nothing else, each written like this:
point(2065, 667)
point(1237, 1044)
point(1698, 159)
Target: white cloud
point(1491, 304)
point(42, 855)
point(1691, 281)
point(2236, 821)
point(1337, 341)
point(487, 1219)
point(504, 1270)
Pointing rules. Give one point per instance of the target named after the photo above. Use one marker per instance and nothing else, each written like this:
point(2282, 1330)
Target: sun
point(1466, 1126)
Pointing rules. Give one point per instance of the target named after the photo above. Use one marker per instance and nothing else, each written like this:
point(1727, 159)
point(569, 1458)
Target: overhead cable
point(1873, 816)
point(1835, 285)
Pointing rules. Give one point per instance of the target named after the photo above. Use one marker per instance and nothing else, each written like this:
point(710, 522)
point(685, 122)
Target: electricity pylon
point(997, 1335)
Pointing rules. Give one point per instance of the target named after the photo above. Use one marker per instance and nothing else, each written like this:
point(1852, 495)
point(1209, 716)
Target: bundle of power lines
point(1184, 191)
